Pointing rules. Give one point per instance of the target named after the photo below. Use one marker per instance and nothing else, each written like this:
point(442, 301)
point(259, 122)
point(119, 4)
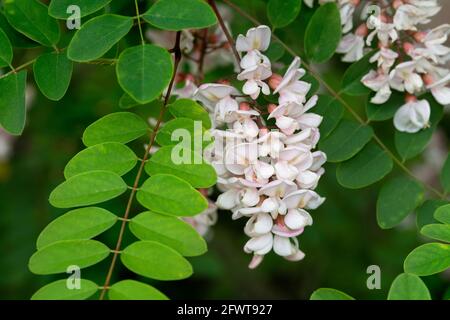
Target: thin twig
point(117, 250)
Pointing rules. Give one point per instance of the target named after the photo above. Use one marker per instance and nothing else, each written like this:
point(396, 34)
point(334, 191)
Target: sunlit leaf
point(408, 287)
point(58, 8)
point(134, 290)
point(428, 259)
point(329, 294)
point(59, 290)
point(12, 102)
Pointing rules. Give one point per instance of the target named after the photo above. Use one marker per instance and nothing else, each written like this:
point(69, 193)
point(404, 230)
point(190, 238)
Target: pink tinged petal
point(311, 103)
point(287, 125)
point(251, 88)
point(303, 199)
point(285, 171)
point(282, 246)
point(283, 231)
point(249, 211)
point(296, 256)
point(228, 200)
point(256, 261)
point(279, 111)
point(278, 188)
point(297, 219)
point(269, 205)
point(307, 179)
point(250, 198)
point(412, 117)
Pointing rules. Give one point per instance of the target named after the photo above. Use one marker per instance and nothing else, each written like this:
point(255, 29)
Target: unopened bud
point(275, 80)
point(397, 3)
point(244, 106)
point(419, 36)
point(408, 47)
point(224, 81)
point(362, 30)
point(271, 107)
point(410, 98)
point(428, 79)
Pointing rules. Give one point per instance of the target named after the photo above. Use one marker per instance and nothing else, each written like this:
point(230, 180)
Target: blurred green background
point(343, 241)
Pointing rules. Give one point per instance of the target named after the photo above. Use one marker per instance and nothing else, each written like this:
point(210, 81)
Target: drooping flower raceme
point(266, 174)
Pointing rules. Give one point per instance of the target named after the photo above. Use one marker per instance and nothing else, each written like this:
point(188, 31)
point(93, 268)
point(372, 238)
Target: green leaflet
point(134, 290)
point(87, 189)
point(332, 111)
point(439, 232)
point(408, 287)
point(177, 15)
point(397, 198)
point(370, 165)
point(144, 72)
point(199, 175)
point(351, 82)
point(323, 33)
point(182, 200)
point(6, 52)
point(30, 17)
point(109, 156)
point(12, 102)
point(385, 111)
point(183, 132)
point(442, 214)
point(53, 72)
point(78, 224)
point(58, 8)
point(58, 256)
point(97, 36)
point(120, 127)
point(170, 231)
point(58, 290)
point(426, 211)
point(428, 259)
point(329, 294)
point(186, 108)
point(283, 12)
point(346, 141)
point(156, 261)
point(445, 175)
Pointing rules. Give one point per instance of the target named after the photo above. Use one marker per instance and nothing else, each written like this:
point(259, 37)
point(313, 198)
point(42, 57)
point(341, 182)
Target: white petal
point(297, 219)
point(282, 246)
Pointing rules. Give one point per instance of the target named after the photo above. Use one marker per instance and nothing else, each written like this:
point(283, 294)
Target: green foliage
point(6, 52)
point(120, 127)
point(58, 256)
point(323, 33)
point(109, 156)
point(442, 214)
point(351, 82)
point(385, 111)
point(182, 200)
point(397, 198)
point(12, 102)
point(134, 290)
point(156, 261)
point(201, 175)
point(408, 287)
point(428, 259)
point(191, 133)
point(369, 166)
point(445, 175)
point(144, 72)
point(87, 189)
point(439, 232)
point(346, 141)
point(426, 211)
point(53, 72)
point(98, 36)
point(186, 108)
point(78, 224)
point(329, 294)
point(332, 111)
point(283, 12)
point(180, 14)
point(58, 290)
point(58, 8)
point(31, 18)
point(168, 230)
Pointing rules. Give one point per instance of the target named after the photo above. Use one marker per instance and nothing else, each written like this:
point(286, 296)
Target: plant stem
point(125, 219)
point(138, 17)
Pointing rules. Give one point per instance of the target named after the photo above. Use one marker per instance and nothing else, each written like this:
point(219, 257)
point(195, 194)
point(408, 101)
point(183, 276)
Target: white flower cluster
point(408, 59)
point(266, 175)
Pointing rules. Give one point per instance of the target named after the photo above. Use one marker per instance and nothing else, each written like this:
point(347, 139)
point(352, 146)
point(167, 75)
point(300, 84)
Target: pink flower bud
point(224, 81)
point(263, 131)
point(362, 30)
point(271, 107)
point(244, 106)
point(419, 36)
point(410, 98)
point(428, 79)
point(396, 4)
point(408, 47)
point(275, 80)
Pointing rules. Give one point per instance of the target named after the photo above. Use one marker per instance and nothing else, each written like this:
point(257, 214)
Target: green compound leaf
point(351, 82)
point(156, 261)
point(6, 52)
point(283, 12)
point(346, 141)
point(442, 214)
point(408, 287)
point(397, 198)
point(170, 231)
point(109, 156)
point(97, 36)
point(53, 72)
point(428, 259)
point(200, 175)
point(445, 175)
point(144, 72)
point(12, 102)
point(439, 232)
point(78, 224)
point(186, 108)
point(410, 145)
point(121, 127)
point(329, 294)
point(17, 39)
point(426, 211)
point(369, 166)
point(58, 8)
point(87, 189)
point(30, 17)
point(127, 102)
point(59, 290)
point(58, 256)
point(182, 200)
point(323, 33)
point(183, 132)
point(385, 111)
point(134, 290)
point(332, 111)
point(177, 15)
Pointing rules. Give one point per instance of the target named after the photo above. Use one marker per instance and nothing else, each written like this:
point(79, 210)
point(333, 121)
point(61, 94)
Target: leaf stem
point(338, 97)
point(125, 219)
point(138, 16)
